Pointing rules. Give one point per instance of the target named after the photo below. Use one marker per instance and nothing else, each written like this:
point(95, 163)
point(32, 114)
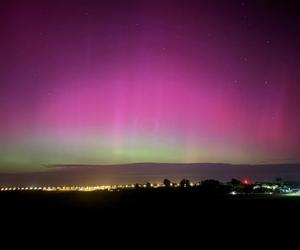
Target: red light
point(246, 182)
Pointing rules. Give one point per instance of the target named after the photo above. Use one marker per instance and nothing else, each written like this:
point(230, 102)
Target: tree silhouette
point(167, 183)
point(212, 187)
point(235, 182)
point(185, 183)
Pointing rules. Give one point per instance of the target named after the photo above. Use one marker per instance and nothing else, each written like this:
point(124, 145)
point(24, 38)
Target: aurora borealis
point(109, 82)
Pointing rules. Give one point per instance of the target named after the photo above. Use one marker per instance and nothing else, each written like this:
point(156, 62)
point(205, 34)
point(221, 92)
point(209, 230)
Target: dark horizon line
point(169, 163)
point(49, 167)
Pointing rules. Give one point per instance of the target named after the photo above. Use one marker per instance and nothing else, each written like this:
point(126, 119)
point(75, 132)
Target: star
point(243, 58)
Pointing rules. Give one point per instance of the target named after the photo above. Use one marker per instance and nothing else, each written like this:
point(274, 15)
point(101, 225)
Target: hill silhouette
point(68, 174)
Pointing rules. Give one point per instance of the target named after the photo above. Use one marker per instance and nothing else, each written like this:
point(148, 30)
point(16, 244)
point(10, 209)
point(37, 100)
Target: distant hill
point(152, 172)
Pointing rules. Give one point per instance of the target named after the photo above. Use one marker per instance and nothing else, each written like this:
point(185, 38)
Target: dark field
point(143, 217)
point(143, 207)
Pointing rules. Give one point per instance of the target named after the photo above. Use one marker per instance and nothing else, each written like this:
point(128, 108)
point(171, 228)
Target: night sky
point(110, 82)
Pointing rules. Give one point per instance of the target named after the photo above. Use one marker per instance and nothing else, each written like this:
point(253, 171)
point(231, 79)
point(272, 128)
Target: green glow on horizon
point(36, 152)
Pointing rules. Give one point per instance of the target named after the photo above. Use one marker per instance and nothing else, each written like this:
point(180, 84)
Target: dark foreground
point(147, 216)
point(147, 207)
